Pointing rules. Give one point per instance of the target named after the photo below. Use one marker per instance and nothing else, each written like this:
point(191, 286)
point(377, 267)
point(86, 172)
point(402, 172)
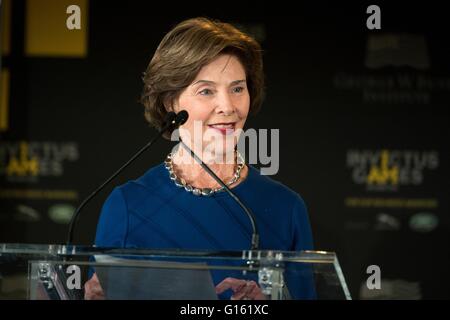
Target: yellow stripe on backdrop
point(4, 100)
point(5, 27)
point(46, 30)
point(5, 38)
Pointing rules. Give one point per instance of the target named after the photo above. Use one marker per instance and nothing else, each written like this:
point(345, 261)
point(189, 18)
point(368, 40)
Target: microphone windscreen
point(170, 116)
point(181, 117)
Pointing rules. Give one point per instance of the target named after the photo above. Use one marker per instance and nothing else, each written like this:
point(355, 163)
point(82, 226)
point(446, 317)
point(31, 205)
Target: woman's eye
point(205, 92)
point(238, 89)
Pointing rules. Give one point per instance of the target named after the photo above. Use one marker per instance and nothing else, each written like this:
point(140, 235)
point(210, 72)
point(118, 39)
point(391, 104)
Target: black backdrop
point(339, 93)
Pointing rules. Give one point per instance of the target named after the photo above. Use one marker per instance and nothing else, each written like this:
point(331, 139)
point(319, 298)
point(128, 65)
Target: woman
point(214, 72)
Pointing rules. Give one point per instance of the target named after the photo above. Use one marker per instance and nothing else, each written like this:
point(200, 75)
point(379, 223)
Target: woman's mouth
point(223, 128)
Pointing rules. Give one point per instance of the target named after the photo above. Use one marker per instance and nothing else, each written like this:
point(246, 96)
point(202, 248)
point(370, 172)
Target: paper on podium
point(153, 280)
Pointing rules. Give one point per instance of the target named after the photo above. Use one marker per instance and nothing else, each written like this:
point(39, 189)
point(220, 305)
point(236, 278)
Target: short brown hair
point(183, 51)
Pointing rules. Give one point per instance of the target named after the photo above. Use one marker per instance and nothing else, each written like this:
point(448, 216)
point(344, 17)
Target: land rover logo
point(61, 213)
point(423, 222)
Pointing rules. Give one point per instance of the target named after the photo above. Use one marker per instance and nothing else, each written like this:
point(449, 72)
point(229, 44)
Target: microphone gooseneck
point(250, 214)
point(171, 121)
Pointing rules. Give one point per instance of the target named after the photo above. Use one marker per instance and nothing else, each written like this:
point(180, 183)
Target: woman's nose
point(225, 105)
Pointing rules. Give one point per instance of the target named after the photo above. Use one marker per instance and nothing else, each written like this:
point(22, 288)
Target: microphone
point(250, 214)
point(171, 121)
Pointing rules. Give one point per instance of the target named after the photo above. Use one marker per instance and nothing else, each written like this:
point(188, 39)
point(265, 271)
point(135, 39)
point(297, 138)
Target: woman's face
point(218, 103)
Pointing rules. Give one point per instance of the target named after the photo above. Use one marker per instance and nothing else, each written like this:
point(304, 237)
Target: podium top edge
point(82, 250)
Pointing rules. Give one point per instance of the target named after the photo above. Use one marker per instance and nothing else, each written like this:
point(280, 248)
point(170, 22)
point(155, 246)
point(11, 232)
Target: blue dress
point(152, 212)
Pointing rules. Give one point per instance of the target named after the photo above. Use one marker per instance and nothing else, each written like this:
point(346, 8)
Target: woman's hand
point(93, 289)
point(243, 289)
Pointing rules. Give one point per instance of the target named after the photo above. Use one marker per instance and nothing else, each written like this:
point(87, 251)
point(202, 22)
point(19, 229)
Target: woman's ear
point(170, 105)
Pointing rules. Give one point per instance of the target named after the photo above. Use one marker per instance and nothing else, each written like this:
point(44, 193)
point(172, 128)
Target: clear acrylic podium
point(59, 272)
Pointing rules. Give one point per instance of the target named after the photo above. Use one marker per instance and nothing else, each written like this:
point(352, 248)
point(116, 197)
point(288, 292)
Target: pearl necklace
point(181, 183)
